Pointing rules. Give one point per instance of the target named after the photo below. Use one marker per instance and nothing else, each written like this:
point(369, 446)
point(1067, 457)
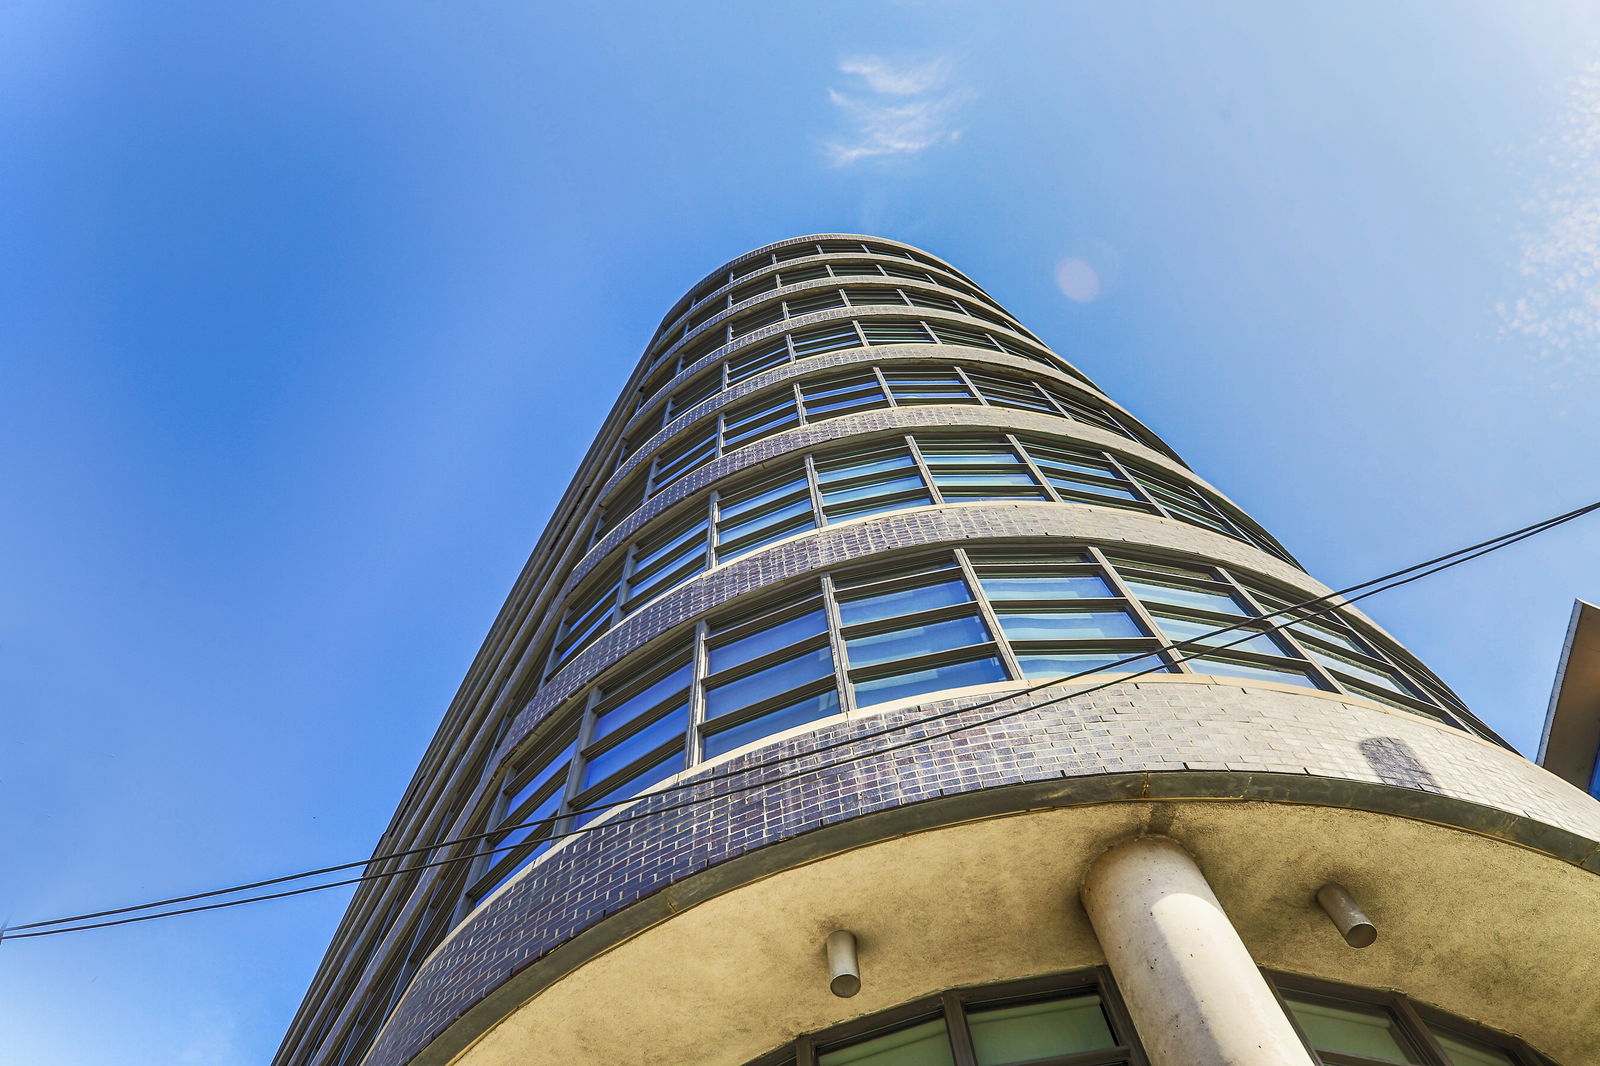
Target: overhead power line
point(1302, 611)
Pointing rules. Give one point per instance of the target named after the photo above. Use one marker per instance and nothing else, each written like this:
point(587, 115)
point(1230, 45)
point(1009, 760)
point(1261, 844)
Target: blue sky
point(309, 311)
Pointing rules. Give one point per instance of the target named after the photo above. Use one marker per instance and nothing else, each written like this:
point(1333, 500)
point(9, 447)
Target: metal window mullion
point(1116, 1012)
point(805, 1052)
point(1138, 486)
point(883, 385)
point(1321, 672)
point(841, 668)
point(697, 696)
point(955, 1023)
point(990, 616)
point(922, 468)
point(972, 386)
point(575, 767)
point(1033, 467)
point(799, 401)
point(1146, 619)
point(814, 490)
point(860, 333)
point(720, 444)
point(1419, 1032)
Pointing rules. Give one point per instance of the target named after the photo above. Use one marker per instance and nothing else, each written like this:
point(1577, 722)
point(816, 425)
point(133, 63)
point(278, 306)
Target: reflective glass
point(1049, 665)
point(1068, 625)
point(920, 1045)
point(780, 677)
point(533, 821)
point(909, 482)
point(903, 601)
point(657, 771)
point(1463, 1051)
point(928, 679)
point(736, 504)
point(916, 640)
point(610, 720)
point(1249, 671)
point(1383, 679)
point(1082, 486)
point(1001, 586)
point(810, 709)
point(829, 471)
point(663, 729)
point(1005, 1035)
point(947, 479)
point(1328, 635)
point(557, 764)
point(940, 454)
point(878, 505)
point(1180, 629)
point(722, 656)
point(796, 508)
point(1205, 599)
point(1354, 1030)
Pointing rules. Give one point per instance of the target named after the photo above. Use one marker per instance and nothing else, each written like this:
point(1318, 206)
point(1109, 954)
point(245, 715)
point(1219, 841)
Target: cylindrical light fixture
point(1346, 915)
point(844, 967)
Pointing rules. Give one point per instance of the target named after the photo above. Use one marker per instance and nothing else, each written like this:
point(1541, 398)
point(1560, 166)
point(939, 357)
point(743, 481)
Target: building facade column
point(1194, 993)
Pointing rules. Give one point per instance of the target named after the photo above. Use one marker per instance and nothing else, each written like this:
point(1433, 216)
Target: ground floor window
point(1079, 1020)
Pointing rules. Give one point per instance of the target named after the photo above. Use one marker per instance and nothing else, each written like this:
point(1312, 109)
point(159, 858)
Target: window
point(916, 632)
point(1041, 1023)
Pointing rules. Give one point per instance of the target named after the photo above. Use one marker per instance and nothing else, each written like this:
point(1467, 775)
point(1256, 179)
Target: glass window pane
point(652, 736)
point(1361, 672)
point(1180, 629)
point(1250, 671)
point(909, 482)
point(832, 470)
point(554, 766)
point(1029, 1031)
point(1464, 1051)
point(1068, 625)
point(928, 679)
point(780, 677)
point(539, 820)
point(655, 772)
point(903, 601)
point(810, 709)
point(782, 635)
point(1205, 599)
point(1355, 1030)
point(1002, 586)
point(920, 1045)
point(1050, 665)
point(636, 705)
point(916, 640)
point(778, 516)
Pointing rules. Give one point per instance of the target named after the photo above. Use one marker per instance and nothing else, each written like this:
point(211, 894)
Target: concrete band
point(1154, 741)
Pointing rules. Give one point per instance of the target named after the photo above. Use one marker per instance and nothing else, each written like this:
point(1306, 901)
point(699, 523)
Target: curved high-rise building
point(767, 759)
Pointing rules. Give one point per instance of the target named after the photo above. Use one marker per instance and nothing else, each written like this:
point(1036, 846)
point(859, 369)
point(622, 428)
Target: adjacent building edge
point(1263, 860)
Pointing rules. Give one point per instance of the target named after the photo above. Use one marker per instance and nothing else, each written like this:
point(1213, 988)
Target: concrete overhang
point(1571, 737)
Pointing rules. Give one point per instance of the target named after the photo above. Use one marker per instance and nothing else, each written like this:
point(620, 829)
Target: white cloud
point(906, 109)
point(1559, 308)
point(883, 77)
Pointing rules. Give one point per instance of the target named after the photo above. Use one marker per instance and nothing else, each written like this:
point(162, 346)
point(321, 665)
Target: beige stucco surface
point(1474, 926)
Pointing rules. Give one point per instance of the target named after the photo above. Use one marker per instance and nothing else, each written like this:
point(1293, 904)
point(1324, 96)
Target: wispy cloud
point(904, 109)
point(1558, 309)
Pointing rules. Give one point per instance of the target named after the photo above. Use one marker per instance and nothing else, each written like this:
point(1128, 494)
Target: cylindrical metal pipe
point(1195, 994)
point(1347, 915)
point(844, 968)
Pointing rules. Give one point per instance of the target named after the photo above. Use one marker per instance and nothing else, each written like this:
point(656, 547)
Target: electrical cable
point(1384, 583)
